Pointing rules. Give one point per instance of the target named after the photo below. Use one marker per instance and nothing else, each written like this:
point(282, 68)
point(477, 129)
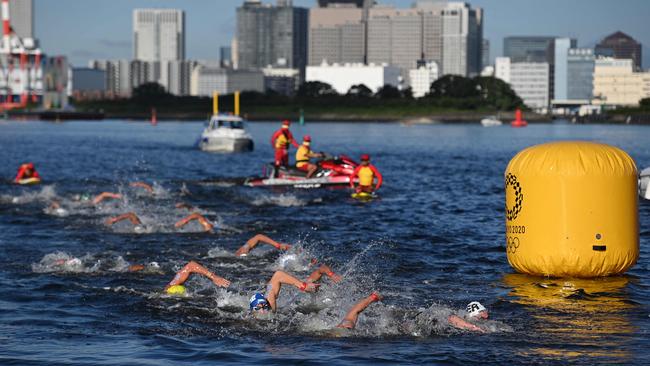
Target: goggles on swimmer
point(259, 302)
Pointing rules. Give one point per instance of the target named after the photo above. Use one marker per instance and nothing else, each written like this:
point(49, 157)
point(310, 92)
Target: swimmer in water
point(176, 284)
point(350, 319)
point(106, 195)
point(476, 313)
point(260, 238)
point(138, 227)
point(143, 185)
point(185, 206)
point(55, 209)
point(207, 226)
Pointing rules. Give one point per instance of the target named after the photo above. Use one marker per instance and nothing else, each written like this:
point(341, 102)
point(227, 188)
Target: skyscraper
point(21, 14)
point(336, 35)
point(560, 70)
point(462, 37)
point(271, 35)
point(158, 34)
point(529, 48)
point(580, 73)
point(620, 45)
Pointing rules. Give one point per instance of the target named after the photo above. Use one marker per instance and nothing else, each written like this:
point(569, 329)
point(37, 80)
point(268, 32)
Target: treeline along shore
point(450, 99)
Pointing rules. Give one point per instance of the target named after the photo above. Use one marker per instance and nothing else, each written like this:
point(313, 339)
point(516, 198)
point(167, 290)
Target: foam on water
point(282, 200)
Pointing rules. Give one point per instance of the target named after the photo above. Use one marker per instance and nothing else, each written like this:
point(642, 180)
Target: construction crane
point(21, 71)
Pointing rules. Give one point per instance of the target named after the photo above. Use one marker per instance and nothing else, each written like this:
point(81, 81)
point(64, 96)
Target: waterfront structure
point(560, 67)
point(421, 78)
point(158, 34)
point(530, 80)
point(462, 36)
point(622, 46)
point(617, 84)
point(580, 73)
point(281, 80)
point(529, 48)
point(88, 83)
point(271, 35)
point(343, 76)
point(22, 18)
point(207, 79)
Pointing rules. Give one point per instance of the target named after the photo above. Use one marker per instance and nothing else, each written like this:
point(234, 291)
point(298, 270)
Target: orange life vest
point(366, 176)
point(302, 156)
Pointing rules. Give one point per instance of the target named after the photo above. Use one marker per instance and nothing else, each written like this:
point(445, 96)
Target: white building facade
point(422, 78)
point(343, 76)
point(616, 83)
point(530, 80)
point(207, 79)
point(158, 34)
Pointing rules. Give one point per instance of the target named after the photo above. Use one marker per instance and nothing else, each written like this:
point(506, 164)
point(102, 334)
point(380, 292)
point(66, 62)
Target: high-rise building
point(560, 67)
point(529, 48)
point(617, 83)
point(462, 35)
point(207, 79)
point(485, 53)
point(158, 34)
point(271, 35)
point(530, 80)
point(225, 56)
point(580, 73)
point(620, 45)
point(118, 72)
point(21, 14)
point(336, 35)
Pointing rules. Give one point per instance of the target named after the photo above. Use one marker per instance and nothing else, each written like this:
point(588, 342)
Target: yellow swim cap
point(176, 290)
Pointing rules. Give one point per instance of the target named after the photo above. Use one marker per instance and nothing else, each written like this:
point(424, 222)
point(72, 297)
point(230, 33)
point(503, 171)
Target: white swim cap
point(474, 308)
point(139, 229)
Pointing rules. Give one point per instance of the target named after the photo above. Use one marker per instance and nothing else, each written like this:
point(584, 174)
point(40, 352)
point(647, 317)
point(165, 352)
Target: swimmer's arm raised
point(260, 238)
point(142, 185)
point(131, 216)
point(350, 320)
point(324, 269)
point(193, 267)
point(460, 323)
point(105, 195)
point(279, 278)
point(207, 226)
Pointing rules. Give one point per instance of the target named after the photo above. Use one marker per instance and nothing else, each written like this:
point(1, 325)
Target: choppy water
point(432, 243)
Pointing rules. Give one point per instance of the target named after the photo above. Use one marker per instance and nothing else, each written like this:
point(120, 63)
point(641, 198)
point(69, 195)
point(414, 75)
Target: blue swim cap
point(258, 301)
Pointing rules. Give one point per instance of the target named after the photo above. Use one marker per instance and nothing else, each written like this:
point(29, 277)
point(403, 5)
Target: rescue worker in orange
point(281, 140)
point(303, 155)
point(367, 174)
point(26, 171)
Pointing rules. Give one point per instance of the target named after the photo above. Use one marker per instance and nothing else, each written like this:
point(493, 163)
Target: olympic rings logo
point(511, 180)
point(513, 244)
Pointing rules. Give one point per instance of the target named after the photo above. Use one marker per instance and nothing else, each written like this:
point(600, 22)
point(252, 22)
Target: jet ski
point(332, 171)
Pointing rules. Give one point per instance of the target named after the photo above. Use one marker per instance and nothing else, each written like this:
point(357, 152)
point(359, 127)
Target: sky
point(99, 29)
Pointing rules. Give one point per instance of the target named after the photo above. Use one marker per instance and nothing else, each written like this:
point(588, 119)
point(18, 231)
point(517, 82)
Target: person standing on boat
point(366, 173)
point(26, 171)
point(303, 155)
point(281, 140)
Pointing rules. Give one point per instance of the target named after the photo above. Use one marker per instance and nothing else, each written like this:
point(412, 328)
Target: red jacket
point(374, 171)
point(287, 134)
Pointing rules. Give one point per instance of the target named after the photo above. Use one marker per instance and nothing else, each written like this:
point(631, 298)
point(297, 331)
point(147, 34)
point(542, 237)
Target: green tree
point(644, 103)
point(359, 91)
point(149, 92)
point(388, 92)
point(315, 89)
point(454, 86)
point(497, 93)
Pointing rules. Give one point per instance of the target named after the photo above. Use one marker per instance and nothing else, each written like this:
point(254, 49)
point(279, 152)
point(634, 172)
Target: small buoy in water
point(572, 210)
point(519, 121)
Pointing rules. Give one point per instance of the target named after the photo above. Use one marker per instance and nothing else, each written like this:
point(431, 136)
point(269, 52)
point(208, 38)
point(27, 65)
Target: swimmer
point(185, 206)
point(55, 209)
point(260, 238)
point(106, 195)
point(260, 304)
point(176, 284)
point(144, 185)
point(476, 313)
point(207, 226)
point(138, 227)
point(350, 319)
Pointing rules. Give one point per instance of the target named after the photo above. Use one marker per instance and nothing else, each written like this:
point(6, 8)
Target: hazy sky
point(88, 29)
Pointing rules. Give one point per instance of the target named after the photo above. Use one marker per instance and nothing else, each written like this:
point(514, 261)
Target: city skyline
point(211, 24)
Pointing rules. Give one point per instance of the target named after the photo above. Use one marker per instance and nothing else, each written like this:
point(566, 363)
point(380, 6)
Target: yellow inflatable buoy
point(176, 290)
point(572, 210)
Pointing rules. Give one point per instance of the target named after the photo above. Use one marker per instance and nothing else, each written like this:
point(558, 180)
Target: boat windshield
point(214, 124)
point(236, 124)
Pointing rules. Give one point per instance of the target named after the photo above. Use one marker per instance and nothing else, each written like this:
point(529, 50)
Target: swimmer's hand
point(334, 277)
point(284, 246)
point(375, 296)
point(220, 281)
point(309, 287)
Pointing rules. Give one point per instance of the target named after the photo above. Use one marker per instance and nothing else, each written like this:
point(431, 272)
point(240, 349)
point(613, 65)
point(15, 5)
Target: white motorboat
point(226, 133)
point(644, 183)
point(491, 121)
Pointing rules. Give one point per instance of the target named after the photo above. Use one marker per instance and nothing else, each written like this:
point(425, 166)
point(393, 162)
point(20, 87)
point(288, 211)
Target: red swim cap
point(365, 157)
point(306, 138)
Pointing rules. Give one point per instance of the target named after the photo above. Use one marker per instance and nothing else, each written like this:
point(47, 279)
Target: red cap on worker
point(286, 123)
point(365, 157)
point(28, 165)
point(306, 138)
